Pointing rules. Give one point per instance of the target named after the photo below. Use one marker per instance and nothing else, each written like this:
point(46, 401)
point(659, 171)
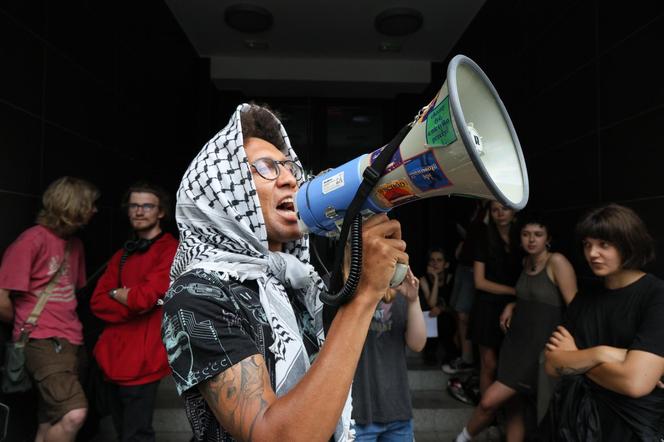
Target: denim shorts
point(463, 292)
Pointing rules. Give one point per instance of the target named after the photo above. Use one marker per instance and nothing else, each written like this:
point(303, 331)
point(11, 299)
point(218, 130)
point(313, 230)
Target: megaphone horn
point(461, 143)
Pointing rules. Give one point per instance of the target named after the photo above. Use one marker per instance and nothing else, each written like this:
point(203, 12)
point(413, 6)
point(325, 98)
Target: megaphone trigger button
point(330, 212)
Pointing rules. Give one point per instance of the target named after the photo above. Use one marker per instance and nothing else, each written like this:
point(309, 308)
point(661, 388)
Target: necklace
point(534, 264)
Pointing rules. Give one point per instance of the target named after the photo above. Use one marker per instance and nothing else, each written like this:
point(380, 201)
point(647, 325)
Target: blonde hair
point(66, 205)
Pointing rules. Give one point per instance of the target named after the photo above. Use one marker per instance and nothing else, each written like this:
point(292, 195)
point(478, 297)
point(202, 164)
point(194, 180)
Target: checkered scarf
point(222, 230)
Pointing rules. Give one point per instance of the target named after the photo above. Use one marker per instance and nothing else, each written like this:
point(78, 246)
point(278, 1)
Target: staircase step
point(492, 434)
point(427, 379)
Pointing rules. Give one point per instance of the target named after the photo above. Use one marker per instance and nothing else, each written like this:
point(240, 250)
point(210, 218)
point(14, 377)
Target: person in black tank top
point(547, 282)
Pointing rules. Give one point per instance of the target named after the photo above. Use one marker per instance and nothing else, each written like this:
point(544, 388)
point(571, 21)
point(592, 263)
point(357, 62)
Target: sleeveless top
point(538, 288)
point(539, 310)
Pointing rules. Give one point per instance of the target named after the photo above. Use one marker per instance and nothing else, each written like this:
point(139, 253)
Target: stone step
point(427, 379)
point(436, 411)
point(492, 434)
point(436, 414)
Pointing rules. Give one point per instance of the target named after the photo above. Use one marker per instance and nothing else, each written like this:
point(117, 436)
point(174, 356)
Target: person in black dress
point(609, 352)
point(546, 284)
point(495, 270)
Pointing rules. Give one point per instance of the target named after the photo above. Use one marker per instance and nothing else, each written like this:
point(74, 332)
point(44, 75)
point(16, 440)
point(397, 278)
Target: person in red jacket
point(127, 298)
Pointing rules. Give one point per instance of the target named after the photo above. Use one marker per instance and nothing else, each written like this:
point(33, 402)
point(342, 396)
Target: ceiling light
point(387, 46)
point(248, 18)
point(397, 22)
point(256, 44)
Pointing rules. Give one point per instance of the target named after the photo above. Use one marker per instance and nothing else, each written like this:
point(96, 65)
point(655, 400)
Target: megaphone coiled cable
point(355, 271)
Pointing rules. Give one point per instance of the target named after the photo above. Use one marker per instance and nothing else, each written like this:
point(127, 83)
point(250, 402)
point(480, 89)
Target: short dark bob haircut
point(623, 228)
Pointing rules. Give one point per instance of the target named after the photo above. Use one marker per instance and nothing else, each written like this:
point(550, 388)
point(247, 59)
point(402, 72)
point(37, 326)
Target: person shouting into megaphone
point(242, 320)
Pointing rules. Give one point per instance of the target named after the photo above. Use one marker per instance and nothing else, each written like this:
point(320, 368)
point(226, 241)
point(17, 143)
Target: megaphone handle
point(355, 271)
point(399, 274)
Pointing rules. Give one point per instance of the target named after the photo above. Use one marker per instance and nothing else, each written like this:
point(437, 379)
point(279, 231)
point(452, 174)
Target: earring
point(548, 246)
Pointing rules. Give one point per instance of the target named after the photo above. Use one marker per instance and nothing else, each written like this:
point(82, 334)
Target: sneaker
point(457, 366)
point(456, 389)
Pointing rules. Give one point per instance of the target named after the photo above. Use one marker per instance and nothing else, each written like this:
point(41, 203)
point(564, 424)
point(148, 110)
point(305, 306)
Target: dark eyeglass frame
point(294, 168)
point(147, 207)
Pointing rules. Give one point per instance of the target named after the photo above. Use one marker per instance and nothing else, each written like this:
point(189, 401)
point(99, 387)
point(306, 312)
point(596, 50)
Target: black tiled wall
point(107, 91)
point(583, 84)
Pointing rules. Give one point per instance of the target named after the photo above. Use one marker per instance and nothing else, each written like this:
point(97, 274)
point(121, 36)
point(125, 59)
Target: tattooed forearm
point(239, 396)
point(568, 371)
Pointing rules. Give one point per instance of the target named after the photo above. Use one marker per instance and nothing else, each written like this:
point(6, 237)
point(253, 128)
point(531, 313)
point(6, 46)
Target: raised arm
point(416, 334)
point(241, 397)
point(430, 291)
point(481, 283)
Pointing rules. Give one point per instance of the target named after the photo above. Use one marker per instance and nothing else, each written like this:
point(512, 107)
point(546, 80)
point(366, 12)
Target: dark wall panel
point(20, 142)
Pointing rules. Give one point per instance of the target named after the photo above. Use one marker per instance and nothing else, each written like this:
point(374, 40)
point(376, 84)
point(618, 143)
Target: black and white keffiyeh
point(222, 230)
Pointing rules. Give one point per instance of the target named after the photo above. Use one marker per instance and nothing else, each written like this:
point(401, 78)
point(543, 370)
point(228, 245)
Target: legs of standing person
point(484, 414)
point(132, 410)
point(446, 335)
point(488, 365)
point(464, 339)
point(396, 431)
point(515, 428)
point(64, 430)
point(53, 365)
point(463, 295)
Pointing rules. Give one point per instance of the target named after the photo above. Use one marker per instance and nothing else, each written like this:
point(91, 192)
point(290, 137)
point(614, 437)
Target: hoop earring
point(548, 246)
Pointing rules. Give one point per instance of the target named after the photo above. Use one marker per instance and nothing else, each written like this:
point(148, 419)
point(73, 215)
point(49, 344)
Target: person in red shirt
point(128, 298)
point(47, 258)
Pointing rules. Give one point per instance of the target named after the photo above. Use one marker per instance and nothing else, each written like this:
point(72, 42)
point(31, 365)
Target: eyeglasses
point(147, 207)
point(269, 168)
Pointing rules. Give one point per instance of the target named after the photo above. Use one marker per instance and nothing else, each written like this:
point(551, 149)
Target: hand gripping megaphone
point(461, 143)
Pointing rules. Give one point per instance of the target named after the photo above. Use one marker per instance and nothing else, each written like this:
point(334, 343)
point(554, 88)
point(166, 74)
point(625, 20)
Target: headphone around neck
point(140, 245)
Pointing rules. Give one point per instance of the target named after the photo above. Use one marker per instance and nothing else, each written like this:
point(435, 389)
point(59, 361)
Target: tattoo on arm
point(239, 396)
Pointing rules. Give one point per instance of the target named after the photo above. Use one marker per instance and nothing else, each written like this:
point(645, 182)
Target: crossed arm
point(633, 373)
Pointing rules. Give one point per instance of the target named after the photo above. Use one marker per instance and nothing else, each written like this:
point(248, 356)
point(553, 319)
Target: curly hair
point(67, 204)
point(259, 121)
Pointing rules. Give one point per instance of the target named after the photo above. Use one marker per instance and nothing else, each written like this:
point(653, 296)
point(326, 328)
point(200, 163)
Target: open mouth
point(286, 205)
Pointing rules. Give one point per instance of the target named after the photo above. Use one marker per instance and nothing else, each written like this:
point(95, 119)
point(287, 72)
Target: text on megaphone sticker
point(439, 129)
point(425, 172)
point(334, 182)
point(395, 192)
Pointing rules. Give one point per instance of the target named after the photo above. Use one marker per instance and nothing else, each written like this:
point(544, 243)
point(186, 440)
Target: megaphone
point(461, 143)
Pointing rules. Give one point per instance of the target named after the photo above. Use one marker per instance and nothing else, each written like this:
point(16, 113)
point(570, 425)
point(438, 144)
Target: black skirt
point(485, 319)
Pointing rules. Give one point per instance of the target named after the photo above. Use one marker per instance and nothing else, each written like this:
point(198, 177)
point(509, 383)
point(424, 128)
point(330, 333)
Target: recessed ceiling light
point(387, 46)
point(397, 22)
point(256, 44)
point(248, 18)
